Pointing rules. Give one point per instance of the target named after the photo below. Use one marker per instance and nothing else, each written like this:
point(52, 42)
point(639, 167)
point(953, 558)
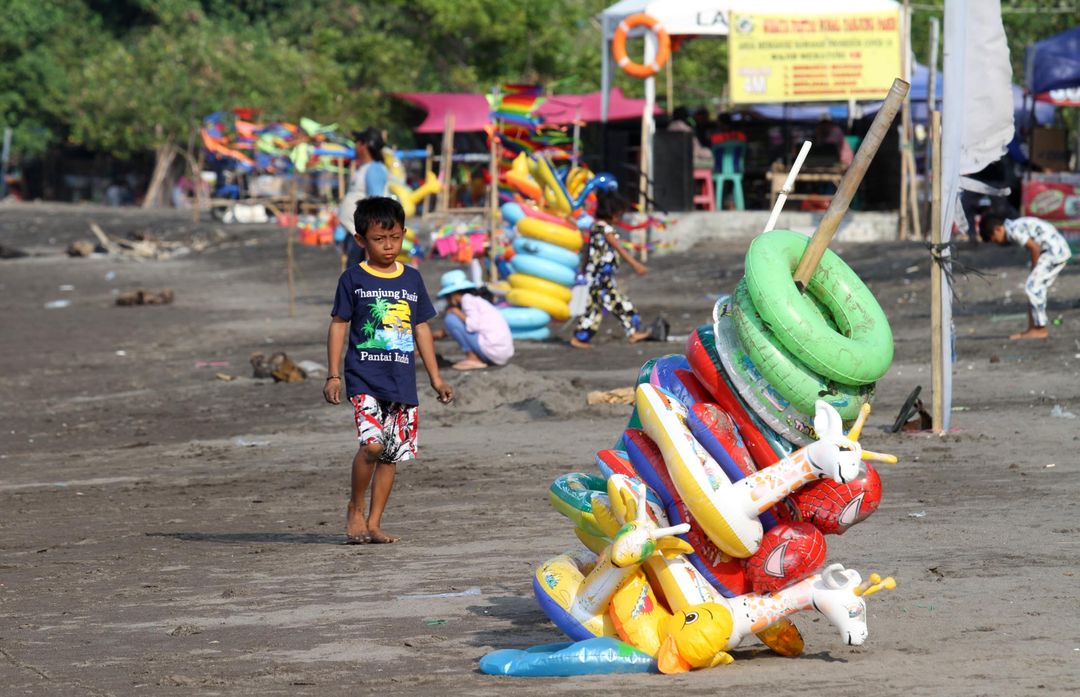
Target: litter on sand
point(311, 368)
point(919, 514)
point(620, 395)
point(1059, 412)
point(243, 442)
point(57, 304)
point(474, 590)
point(278, 366)
point(146, 297)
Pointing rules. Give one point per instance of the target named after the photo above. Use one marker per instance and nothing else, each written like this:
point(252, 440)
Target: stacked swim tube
point(543, 268)
point(706, 524)
point(546, 223)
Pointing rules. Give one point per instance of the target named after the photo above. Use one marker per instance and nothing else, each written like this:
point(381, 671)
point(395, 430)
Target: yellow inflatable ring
point(544, 231)
point(558, 309)
point(524, 281)
point(618, 45)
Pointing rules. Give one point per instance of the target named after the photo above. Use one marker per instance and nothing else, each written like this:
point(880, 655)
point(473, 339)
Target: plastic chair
point(729, 168)
point(704, 197)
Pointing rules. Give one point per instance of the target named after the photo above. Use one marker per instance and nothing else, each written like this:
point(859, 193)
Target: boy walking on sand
point(384, 308)
point(1049, 253)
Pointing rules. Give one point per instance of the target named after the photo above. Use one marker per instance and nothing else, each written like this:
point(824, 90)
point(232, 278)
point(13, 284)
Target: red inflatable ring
point(618, 45)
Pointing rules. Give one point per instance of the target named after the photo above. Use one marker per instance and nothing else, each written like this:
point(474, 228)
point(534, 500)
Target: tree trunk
point(163, 160)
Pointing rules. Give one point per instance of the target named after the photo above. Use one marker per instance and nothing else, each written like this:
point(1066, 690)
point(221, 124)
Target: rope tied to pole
point(946, 256)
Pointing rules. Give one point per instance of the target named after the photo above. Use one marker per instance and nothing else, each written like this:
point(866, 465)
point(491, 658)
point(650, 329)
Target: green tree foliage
point(41, 45)
point(126, 76)
point(156, 87)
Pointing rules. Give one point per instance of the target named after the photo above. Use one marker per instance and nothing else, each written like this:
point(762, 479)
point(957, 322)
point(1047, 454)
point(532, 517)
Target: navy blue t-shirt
point(383, 310)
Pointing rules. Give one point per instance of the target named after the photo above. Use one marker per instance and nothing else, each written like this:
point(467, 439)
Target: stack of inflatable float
point(708, 523)
point(546, 246)
point(542, 218)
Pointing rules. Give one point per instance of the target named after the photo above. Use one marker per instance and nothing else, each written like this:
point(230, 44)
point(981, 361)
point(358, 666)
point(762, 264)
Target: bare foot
point(638, 336)
point(1032, 333)
point(378, 537)
point(576, 343)
point(469, 364)
point(356, 530)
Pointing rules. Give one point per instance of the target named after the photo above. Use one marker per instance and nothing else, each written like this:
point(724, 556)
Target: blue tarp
point(1053, 63)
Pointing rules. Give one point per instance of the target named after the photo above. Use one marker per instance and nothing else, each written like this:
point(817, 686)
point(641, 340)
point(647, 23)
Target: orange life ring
point(618, 45)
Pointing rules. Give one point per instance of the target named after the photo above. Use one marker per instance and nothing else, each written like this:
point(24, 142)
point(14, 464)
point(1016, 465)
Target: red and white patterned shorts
point(390, 423)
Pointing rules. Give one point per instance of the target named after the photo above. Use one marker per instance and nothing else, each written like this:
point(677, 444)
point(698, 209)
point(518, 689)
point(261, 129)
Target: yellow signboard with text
point(818, 58)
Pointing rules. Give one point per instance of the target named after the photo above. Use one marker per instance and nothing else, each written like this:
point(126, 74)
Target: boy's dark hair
point(987, 224)
point(381, 211)
point(610, 205)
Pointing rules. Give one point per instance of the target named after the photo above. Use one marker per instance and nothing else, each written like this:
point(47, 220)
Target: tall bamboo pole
point(493, 206)
point(905, 119)
point(931, 99)
point(937, 368)
point(442, 203)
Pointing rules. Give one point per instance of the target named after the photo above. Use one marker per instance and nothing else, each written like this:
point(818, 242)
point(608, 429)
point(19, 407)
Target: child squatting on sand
point(477, 326)
point(383, 307)
point(1049, 253)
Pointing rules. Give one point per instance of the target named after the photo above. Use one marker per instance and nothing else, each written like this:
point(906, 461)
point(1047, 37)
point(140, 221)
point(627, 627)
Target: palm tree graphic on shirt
point(390, 326)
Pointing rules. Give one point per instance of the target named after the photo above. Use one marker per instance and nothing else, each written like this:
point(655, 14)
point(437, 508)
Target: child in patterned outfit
point(1049, 253)
point(604, 251)
point(383, 306)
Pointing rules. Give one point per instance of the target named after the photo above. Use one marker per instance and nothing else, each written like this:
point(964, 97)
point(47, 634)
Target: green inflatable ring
point(859, 351)
point(774, 411)
point(795, 382)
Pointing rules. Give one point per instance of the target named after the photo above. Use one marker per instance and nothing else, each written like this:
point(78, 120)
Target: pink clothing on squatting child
point(494, 334)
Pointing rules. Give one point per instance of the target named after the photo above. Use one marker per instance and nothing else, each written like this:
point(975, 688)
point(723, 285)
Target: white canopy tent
point(705, 18)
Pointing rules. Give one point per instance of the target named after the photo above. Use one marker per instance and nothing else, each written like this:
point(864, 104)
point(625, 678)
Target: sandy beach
point(165, 531)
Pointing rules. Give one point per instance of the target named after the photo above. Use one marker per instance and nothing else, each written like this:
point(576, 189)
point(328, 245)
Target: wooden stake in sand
point(937, 378)
point(850, 183)
point(294, 209)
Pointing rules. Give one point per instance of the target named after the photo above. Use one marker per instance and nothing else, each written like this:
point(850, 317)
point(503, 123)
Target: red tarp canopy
point(471, 110)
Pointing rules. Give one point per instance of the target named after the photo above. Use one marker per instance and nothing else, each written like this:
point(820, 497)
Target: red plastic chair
point(704, 194)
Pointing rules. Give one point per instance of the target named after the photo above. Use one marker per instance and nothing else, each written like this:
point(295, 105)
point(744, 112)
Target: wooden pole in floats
point(937, 376)
point(493, 205)
point(850, 183)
